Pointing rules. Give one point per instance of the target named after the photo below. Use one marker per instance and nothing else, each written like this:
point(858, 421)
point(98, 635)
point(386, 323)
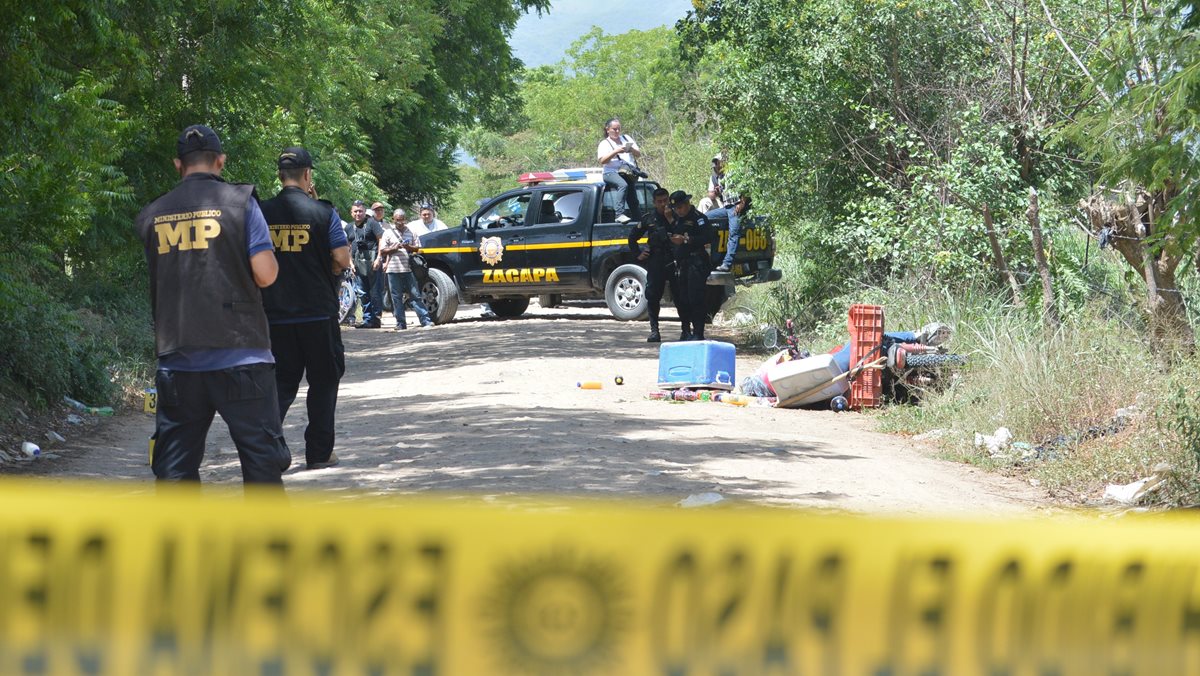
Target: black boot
point(654, 337)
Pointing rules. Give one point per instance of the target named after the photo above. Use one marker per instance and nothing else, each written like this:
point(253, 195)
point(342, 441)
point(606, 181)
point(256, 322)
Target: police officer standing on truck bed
point(302, 304)
point(654, 256)
point(209, 254)
point(691, 236)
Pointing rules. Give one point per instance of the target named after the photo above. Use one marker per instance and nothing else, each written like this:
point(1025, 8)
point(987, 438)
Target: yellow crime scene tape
point(97, 581)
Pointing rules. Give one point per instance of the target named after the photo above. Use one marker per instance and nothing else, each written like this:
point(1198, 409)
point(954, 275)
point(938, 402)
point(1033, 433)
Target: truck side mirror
point(466, 224)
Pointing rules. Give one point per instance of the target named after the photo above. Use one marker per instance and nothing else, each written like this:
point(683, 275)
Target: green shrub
point(86, 345)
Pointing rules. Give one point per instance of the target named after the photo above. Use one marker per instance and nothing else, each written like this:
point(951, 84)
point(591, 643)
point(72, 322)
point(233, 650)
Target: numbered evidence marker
point(150, 401)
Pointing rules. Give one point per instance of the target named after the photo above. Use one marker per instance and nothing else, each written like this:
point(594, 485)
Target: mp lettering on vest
point(186, 235)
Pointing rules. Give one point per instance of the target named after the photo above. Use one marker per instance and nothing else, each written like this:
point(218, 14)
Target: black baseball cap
point(197, 137)
point(679, 197)
point(295, 158)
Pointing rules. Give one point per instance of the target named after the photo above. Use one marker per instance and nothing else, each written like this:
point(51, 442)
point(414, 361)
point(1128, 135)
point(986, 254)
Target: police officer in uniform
point(209, 254)
point(655, 256)
point(691, 237)
point(302, 304)
point(364, 235)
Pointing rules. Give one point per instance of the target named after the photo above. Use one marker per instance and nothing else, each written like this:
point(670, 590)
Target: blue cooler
point(702, 363)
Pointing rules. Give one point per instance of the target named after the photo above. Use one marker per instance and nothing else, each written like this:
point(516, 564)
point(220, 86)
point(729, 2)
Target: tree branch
point(1086, 72)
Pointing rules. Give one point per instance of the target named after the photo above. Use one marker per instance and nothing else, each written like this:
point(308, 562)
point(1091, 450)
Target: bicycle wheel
point(772, 337)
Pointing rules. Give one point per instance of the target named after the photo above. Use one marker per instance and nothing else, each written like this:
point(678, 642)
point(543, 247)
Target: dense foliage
point(637, 76)
point(95, 94)
point(880, 132)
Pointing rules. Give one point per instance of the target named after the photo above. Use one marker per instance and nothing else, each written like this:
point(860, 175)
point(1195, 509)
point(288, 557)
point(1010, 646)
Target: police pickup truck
point(557, 239)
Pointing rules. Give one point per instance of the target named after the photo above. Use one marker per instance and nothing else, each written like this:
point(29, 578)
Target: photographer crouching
point(618, 154)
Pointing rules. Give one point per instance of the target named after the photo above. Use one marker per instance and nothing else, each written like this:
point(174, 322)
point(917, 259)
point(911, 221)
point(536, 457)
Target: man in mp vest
point(302, 304)
point(209, 254)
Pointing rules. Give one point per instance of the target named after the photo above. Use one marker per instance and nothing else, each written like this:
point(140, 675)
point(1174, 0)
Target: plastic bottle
point(733, 399)
point(839, 404)
point(95, 410)
point(30, 449)
point(684, 395)
point(590, 385)
point(659, 395)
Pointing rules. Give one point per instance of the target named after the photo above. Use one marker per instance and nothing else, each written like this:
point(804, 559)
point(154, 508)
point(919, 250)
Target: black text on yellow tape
point(93, 583)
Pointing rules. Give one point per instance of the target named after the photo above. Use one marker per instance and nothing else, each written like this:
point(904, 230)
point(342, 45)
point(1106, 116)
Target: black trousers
point(313, 351)
point(688, 291)
point(656, 282)
point(245, 397)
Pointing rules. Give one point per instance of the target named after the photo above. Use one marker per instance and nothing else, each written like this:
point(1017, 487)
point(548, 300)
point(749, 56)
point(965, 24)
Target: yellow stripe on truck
point(531, 247)
point(101, 581)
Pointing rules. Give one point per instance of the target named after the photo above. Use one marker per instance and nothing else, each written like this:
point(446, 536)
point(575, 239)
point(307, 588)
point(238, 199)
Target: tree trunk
point(1129, 222)
point(1170, 332)
point(998, 255)
point(1049, 313)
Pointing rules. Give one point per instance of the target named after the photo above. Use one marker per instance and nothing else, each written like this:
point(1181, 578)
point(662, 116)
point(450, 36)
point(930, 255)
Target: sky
point(543, 40)
point(540, 41)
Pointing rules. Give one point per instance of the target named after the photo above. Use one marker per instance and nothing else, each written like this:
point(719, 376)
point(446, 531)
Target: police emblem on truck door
point(491, 250)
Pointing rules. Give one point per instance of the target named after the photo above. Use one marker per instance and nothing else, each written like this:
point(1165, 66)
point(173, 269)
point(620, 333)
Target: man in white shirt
point(709, 202)
point(396, 248)
point(427, 223)
point(618, 154)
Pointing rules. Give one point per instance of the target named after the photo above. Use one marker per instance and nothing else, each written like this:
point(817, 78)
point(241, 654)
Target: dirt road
point(489, 409)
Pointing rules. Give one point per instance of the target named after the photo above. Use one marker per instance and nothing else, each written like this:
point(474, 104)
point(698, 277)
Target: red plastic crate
point(866, 340)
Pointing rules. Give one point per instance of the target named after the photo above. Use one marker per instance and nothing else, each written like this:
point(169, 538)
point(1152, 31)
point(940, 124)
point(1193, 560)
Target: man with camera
point(396, 251)
point(210, 254)
point(364, 236)
point(654, 255)
point(302, 305)
point(733, 206)
point(618, 154)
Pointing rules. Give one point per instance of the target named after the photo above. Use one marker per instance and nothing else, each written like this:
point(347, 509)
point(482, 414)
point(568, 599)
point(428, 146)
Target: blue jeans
point(735, 231)
point(400, 283)
point(371, 282)
point(376, 294)
point(622, 190)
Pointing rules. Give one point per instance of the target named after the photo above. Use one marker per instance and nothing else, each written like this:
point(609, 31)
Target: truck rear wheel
point(625, 293)
point(440, 296)
point(509, 307)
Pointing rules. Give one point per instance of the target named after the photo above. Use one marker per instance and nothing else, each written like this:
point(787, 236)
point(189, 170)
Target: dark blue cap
point(197, 137)
point(295, 158)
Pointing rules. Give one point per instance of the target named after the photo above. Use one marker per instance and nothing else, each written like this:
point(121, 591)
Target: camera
point(627, 169)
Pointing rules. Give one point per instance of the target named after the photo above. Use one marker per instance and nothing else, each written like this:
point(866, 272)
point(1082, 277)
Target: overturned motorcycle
point(912, 363)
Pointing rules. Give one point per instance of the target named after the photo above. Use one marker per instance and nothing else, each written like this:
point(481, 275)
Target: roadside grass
point(1056, 389)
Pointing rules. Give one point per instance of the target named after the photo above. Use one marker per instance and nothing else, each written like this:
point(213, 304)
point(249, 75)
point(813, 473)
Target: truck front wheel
point(509, 307)
point(440, 296)
point(625, 293)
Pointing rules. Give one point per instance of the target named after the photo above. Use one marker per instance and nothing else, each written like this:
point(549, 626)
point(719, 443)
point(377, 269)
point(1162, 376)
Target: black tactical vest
point(202, 289)
point(306, 286)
